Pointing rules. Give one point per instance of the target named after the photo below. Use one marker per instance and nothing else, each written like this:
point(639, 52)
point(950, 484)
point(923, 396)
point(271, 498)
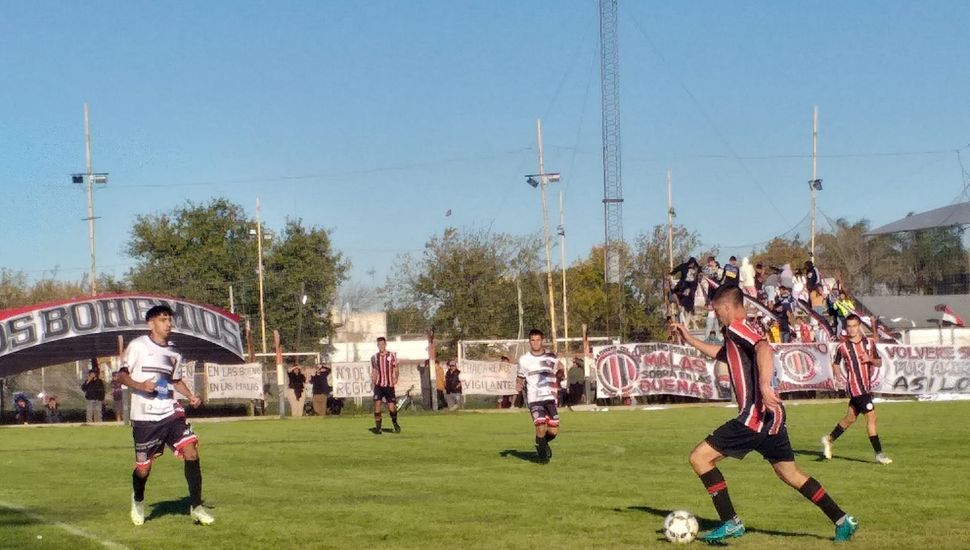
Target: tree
point(303, 273)
point(780, 251)
point(857, 260)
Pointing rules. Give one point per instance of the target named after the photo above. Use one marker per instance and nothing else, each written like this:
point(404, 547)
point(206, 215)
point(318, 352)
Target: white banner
point(487, 377)
point(353, 380)
point(925, 369)
point(800, 367)
point(656, 369)
point(234, 381)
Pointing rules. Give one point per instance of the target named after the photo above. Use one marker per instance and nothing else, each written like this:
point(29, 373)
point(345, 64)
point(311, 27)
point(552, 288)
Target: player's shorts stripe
point(552, 422)
point(185, 441)
point(540, 421)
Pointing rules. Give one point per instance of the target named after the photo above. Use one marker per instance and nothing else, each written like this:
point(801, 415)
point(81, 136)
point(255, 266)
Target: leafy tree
point(780, 251)
point(303, 273)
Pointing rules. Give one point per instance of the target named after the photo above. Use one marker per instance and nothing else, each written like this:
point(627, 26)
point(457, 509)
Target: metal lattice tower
point(612, 173)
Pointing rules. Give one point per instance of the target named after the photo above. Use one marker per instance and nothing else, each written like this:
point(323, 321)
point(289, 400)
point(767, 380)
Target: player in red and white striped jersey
point(857, 355)
point(383, 376)
point(759, 426)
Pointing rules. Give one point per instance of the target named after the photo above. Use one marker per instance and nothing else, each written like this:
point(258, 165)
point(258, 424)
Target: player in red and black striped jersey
point(383, 376)
point(759, 425)
point(857, 355)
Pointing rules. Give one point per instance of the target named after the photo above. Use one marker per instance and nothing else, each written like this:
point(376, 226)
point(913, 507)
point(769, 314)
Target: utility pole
point(670, 222)
point(562, 261)
point(259, 252)
point(543, 182)
point(815, 183)
point(89, 178)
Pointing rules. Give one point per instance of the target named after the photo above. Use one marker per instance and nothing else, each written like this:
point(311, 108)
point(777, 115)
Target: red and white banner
point(800, 367)
point(630, 370)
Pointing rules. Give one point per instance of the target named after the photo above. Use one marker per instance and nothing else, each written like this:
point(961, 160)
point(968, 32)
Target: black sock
point(138, 485)
point(716, 486)
point(540, 441)
point(394, 418)
point(876, 445)
point(550, 436)
point(837, 431)
point(813, 491)
point(193, 475)
point(377, 421)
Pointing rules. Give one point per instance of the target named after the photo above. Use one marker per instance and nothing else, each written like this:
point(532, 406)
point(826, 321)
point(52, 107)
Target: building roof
point(915, 311)
point(954, 214)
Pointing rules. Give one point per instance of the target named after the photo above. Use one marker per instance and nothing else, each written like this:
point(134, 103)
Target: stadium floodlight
point(532, 181)
point(816, 184)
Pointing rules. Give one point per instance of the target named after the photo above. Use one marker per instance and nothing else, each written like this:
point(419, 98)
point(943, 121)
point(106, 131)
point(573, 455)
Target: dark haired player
point(537, 374)
point(759, 426)
point(858, 357)
point(153, 370)
point(383, 376)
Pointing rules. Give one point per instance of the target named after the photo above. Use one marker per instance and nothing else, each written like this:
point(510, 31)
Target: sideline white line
point(65, 526)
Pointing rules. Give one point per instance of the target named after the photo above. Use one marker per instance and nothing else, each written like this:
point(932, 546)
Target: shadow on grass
point(707, 524)
point(17, 518)
point(528, 456)
point(819, 457)
point(383, 430)
point(179, 507)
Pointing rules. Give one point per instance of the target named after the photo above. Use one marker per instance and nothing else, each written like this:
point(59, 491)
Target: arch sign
point(78, 329)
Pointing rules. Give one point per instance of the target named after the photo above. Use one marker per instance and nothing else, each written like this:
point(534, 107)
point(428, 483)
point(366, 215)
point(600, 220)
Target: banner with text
point(656, 369)
point(800, 367)
point(487, 377)
point(234, 381)
point(924, 369)
point(353, 380)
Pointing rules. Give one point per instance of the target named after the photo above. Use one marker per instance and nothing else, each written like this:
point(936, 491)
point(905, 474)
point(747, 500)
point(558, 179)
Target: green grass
point(444, 483)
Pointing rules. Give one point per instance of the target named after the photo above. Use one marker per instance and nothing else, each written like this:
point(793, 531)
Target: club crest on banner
point(799, 364)
point(618, 370)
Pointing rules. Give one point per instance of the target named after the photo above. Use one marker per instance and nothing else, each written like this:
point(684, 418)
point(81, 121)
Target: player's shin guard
point(813, 491)
point(393, 417)
point(377, 421)
point(550, 436)
point(876, 445)
point(716, 486)
point(837, 431)
point(193, 476)
point(138, 485)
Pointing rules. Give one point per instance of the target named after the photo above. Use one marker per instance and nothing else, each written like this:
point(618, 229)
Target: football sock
point(394, 417)
point(837, 431)
point(550, 436)
point(717, 488)
point(377, 421)
point(193, 475)
point(138, 485)
point(876, 445)
point(813, 491)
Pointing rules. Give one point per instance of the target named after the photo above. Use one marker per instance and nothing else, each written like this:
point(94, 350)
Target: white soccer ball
point(680, 526)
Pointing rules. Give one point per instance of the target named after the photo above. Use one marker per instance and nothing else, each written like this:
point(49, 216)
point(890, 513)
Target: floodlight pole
point(813, 185)
point(543, 181)
point(562, 261)
point(89, 177)
point(259, 252)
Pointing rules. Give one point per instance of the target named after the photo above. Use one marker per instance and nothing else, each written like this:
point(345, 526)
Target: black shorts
point(152, 437)
point(385, 394)
point(734, 439)
point(862, 404)
point(544, 413)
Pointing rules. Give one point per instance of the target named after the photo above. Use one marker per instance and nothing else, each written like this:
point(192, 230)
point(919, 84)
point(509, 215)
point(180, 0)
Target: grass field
point(467, 480)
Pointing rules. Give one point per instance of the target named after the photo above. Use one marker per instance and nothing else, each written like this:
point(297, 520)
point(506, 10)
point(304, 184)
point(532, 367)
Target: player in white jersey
point(537, 373)
point(153, 369)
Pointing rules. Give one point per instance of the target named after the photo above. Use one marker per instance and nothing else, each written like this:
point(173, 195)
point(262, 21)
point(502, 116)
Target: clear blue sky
point(375, 118)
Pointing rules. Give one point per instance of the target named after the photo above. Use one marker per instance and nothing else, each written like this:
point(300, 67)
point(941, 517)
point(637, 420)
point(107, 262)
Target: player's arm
point(124, 377)
point(766, 371)
point(873, 356)
point(395, 372)
point(706, 348)
point(182, 388)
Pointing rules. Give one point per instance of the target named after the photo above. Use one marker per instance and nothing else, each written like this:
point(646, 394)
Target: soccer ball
point(680, 526)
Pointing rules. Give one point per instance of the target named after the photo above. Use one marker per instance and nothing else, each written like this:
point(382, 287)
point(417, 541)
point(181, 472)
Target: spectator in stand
point(321, 389)
point(117, 399)
point(804, 331)
point(296, 380)
point(747, 278)
point(22, 407)
point(711, 325)
point(813, 280)
point(732, 273)
point(453, 386)
point(844, 306)
point(576, 380)
point(439, 385)
point(772, 281)
point(798, 286)
point(93, 388)
point(712, 272)
point(819, 332)
point(817, 300)
point(52, 410)
point(759, 281)
point(686, 287)
point(774, 332)
point(783, 310)
point(787, 277)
